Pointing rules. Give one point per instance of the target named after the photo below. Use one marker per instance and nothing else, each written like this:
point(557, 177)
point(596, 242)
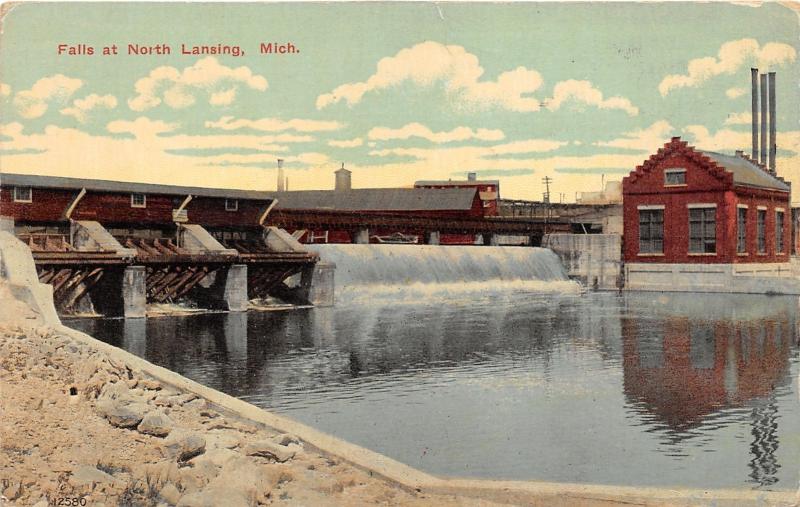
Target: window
point(761, 229)
point(674, 177)
point(138, 201)
point(231, 204)
point(741, 225)
point(779, 231)
point(702, 230)
point(651, 231)
point(23, 194)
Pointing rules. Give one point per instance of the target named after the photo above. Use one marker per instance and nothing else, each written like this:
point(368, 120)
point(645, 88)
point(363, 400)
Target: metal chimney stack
point(773, 146)
point(763, 84)
point(281, 180)
point(754, 115)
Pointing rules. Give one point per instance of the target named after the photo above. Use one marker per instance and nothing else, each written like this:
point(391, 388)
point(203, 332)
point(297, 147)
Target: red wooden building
point(488, 190)
point(33, 200)
point(684, 205)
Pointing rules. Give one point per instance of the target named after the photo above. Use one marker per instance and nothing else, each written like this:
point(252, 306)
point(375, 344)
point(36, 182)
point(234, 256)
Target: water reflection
point(632, 389)
point(691, 359)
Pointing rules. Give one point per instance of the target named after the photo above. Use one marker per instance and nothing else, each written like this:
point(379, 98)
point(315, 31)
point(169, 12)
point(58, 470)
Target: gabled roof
point(453, 183)
point(736, 170)
point(36, 181)
point(746, 172)
point(379, 199)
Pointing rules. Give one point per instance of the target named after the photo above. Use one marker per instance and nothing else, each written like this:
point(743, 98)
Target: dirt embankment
point(77, 424)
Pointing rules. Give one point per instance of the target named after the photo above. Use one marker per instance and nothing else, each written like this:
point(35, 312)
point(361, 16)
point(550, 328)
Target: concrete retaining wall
point(777, 278)
point(19, 271)
point(593, 259)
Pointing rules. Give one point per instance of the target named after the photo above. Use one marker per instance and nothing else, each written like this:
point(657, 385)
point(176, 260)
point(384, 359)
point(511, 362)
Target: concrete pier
point(226, 289)
point(134, 292)
point(361, 237)
point(595, 260)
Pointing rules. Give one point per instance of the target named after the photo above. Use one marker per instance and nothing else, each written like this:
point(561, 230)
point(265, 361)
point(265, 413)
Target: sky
point(398, 92)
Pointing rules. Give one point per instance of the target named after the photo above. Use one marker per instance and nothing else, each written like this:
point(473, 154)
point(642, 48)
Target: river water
point(498, 378)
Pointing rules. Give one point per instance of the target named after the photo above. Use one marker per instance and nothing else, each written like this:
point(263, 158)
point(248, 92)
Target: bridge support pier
point(232, 289)
point(134, 292)
point(432, 238)
point(361, 236)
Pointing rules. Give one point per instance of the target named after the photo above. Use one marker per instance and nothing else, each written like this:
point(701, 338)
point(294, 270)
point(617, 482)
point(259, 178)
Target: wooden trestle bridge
point(171, 272)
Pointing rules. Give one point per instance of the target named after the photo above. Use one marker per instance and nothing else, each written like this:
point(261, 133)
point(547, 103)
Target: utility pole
point(546, 180)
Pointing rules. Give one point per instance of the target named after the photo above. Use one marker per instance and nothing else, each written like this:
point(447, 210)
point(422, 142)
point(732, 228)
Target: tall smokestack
point(773, 145)
point(763, 84)
point(754, 115)
point(281, 180)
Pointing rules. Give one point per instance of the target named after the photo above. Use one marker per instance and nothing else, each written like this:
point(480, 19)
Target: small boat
point(397, 238)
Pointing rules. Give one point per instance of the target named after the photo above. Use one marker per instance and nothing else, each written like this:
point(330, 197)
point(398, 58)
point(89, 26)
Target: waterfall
point(423, 270)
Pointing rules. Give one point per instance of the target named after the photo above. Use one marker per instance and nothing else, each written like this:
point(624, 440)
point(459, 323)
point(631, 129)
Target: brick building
point(685, 207)
point(690, 206)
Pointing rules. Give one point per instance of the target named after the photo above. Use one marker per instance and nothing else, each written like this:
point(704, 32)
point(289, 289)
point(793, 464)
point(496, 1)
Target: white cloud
point(475, 153)
point(734, 93)
point(421, 131)
point(648, 139)
point(146, 129)
point(738, 118)
point(527, 146)
point(721, 140)
point(274, 124)
point(147, 157)
point(141, 127)
point(5, 90)
point(428, 63)
point(346, 143)
point(33, 103)
point(81, 108)
point(178, 89)
point(731, 57)
point(459, 72)
point(585, 93)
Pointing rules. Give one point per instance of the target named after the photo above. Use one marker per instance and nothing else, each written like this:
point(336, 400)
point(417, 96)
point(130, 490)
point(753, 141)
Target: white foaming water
point(412, 271)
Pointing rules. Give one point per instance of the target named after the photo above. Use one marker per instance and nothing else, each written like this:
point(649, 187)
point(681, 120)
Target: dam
point(490, 363)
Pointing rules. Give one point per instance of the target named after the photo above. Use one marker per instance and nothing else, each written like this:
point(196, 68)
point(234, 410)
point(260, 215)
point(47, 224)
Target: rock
point(216, 439)
point(286, 439)
point(13, 491)
point(116, 391)
point(156, 423)
point(180, 399)
point(87, 475)
point(269, 449)
point(246, 477)
point(151, 385)
point(183, 445)
point(213, 497)
point(120, 414)
point(217, 457)
point(197, 403)
point(163, 401)
point(170, 493)
point(158, 474)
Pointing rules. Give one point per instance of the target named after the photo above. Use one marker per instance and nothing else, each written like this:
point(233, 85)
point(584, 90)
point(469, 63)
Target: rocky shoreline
point(82, 428)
